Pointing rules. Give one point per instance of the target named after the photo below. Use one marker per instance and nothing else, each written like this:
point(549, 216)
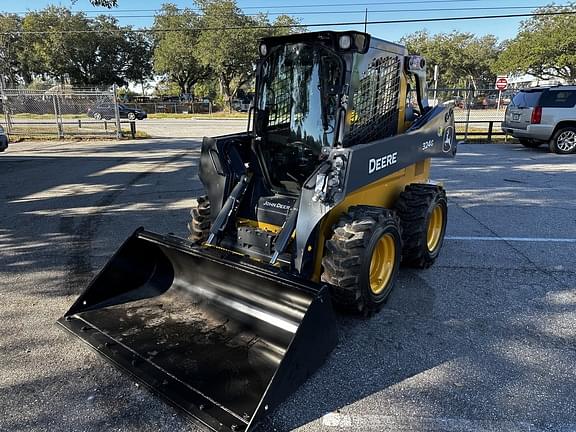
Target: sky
point(139, 13)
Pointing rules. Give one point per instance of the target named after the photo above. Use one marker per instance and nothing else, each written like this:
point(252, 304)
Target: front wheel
point(131, 116)
point(423, 210)
point(97, 116)
point(564, 141)
point(362, 258)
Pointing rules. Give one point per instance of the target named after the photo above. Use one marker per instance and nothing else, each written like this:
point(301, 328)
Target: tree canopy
point(232, 52)
point(97, 52)
point(176, 52)
point(463, 58)
point(545, 46)
point(10, 46)
point(105, 3)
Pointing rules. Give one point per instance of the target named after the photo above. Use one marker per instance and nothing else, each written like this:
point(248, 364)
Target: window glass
point(297, 109)
point(526, 99)
point(559, 99)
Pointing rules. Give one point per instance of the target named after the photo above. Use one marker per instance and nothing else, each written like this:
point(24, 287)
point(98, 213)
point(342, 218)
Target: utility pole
point(366, 20)
point(117, 112)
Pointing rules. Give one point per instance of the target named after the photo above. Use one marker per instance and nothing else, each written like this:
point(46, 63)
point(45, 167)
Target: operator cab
point(300, 105)
point(296, 111)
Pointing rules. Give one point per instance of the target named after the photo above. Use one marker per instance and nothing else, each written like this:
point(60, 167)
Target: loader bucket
point(222, 339)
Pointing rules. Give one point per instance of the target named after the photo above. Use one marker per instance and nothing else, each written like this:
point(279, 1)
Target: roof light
point(345, 42)
point(263, 50)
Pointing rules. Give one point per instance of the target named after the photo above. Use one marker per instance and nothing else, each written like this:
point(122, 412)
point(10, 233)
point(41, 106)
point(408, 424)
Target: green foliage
point(97, 52)
point(544, 47)
point(176, 52)
point(463, 58)
point(10, 46)
point(139, 56)
point(166, 88)
point(207, 89)
point(105, 3)
point(232, 52)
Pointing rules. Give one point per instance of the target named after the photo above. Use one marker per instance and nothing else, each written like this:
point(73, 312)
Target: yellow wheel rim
point(435, 225)
point(382, 263)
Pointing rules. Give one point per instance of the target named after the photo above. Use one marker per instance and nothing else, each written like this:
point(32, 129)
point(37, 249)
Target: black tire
point(528, 143)
point(348, 257)
point(563, 141)
point(199, 225)
point(415, 206)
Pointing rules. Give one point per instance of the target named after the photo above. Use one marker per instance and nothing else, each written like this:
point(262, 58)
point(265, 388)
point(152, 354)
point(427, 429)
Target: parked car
point(3, 140)
point(106, 111)
point(543, 115)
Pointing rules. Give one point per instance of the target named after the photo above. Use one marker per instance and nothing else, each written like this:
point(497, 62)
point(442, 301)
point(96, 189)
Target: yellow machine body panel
point(382, 193)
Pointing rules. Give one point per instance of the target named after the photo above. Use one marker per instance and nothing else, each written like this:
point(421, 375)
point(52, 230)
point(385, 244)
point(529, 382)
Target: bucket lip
point(180, 395)
point(231, 259)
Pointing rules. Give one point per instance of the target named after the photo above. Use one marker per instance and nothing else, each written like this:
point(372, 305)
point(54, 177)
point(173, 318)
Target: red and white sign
point(502, 83)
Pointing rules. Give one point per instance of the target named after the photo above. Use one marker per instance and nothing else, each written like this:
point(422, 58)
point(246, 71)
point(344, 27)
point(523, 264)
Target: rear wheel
point(362, 258)
point(564, 141)
point(199, 225)
point(423, 211)
point(131, 116)
point(97, 116)
point(529, 143)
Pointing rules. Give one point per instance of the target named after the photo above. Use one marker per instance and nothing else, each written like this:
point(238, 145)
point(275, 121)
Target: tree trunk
point(225, 85)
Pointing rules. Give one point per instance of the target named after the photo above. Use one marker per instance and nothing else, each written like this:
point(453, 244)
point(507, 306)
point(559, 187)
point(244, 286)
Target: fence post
point(116, 113)
point(5, 106)
point(468, 108)
point(490, 130)
point(133, 129)
point(57, 116)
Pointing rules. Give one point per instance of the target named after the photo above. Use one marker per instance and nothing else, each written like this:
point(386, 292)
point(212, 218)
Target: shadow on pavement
point(482, 338)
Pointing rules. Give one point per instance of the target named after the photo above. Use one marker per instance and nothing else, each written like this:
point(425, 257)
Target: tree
point(48, 54)
point(229, 42)
point(139, 57)
point(70, 47)
point(545, 46)
point(175, 52)
point(10, 46)
point(463, 58)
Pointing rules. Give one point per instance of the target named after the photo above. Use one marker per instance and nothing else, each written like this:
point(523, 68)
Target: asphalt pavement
point(482, 341)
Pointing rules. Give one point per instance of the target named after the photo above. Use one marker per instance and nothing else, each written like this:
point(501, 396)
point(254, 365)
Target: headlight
point(263, 50)
point(345, 42)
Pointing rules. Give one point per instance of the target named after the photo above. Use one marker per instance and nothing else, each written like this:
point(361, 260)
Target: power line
point(329, 5)
point(333, 24)
point(388, 11)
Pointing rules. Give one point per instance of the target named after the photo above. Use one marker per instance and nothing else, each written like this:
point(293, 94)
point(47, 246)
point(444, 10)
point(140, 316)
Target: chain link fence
point(173, 107)
point(66, 112)
point(59, 111)
point(477, 112)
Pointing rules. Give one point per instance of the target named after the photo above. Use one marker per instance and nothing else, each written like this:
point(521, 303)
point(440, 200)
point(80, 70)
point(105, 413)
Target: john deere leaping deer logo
point(448, 138)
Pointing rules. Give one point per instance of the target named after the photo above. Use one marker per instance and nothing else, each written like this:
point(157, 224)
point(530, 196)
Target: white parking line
point(514, 239)
point(380, 423)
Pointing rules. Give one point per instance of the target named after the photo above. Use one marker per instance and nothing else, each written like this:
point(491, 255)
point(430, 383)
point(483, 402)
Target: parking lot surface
point(482, 341)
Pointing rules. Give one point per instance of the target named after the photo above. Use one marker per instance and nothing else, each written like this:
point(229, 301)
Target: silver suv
point(543, 115)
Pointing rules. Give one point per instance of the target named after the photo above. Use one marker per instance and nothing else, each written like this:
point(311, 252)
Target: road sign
point(502, 83)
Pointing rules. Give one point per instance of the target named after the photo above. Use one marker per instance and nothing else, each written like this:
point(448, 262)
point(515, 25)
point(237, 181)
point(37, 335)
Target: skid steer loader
point(317, 203)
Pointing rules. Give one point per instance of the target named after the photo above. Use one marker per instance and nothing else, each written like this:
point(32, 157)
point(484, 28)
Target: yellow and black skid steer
point(316, 204)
